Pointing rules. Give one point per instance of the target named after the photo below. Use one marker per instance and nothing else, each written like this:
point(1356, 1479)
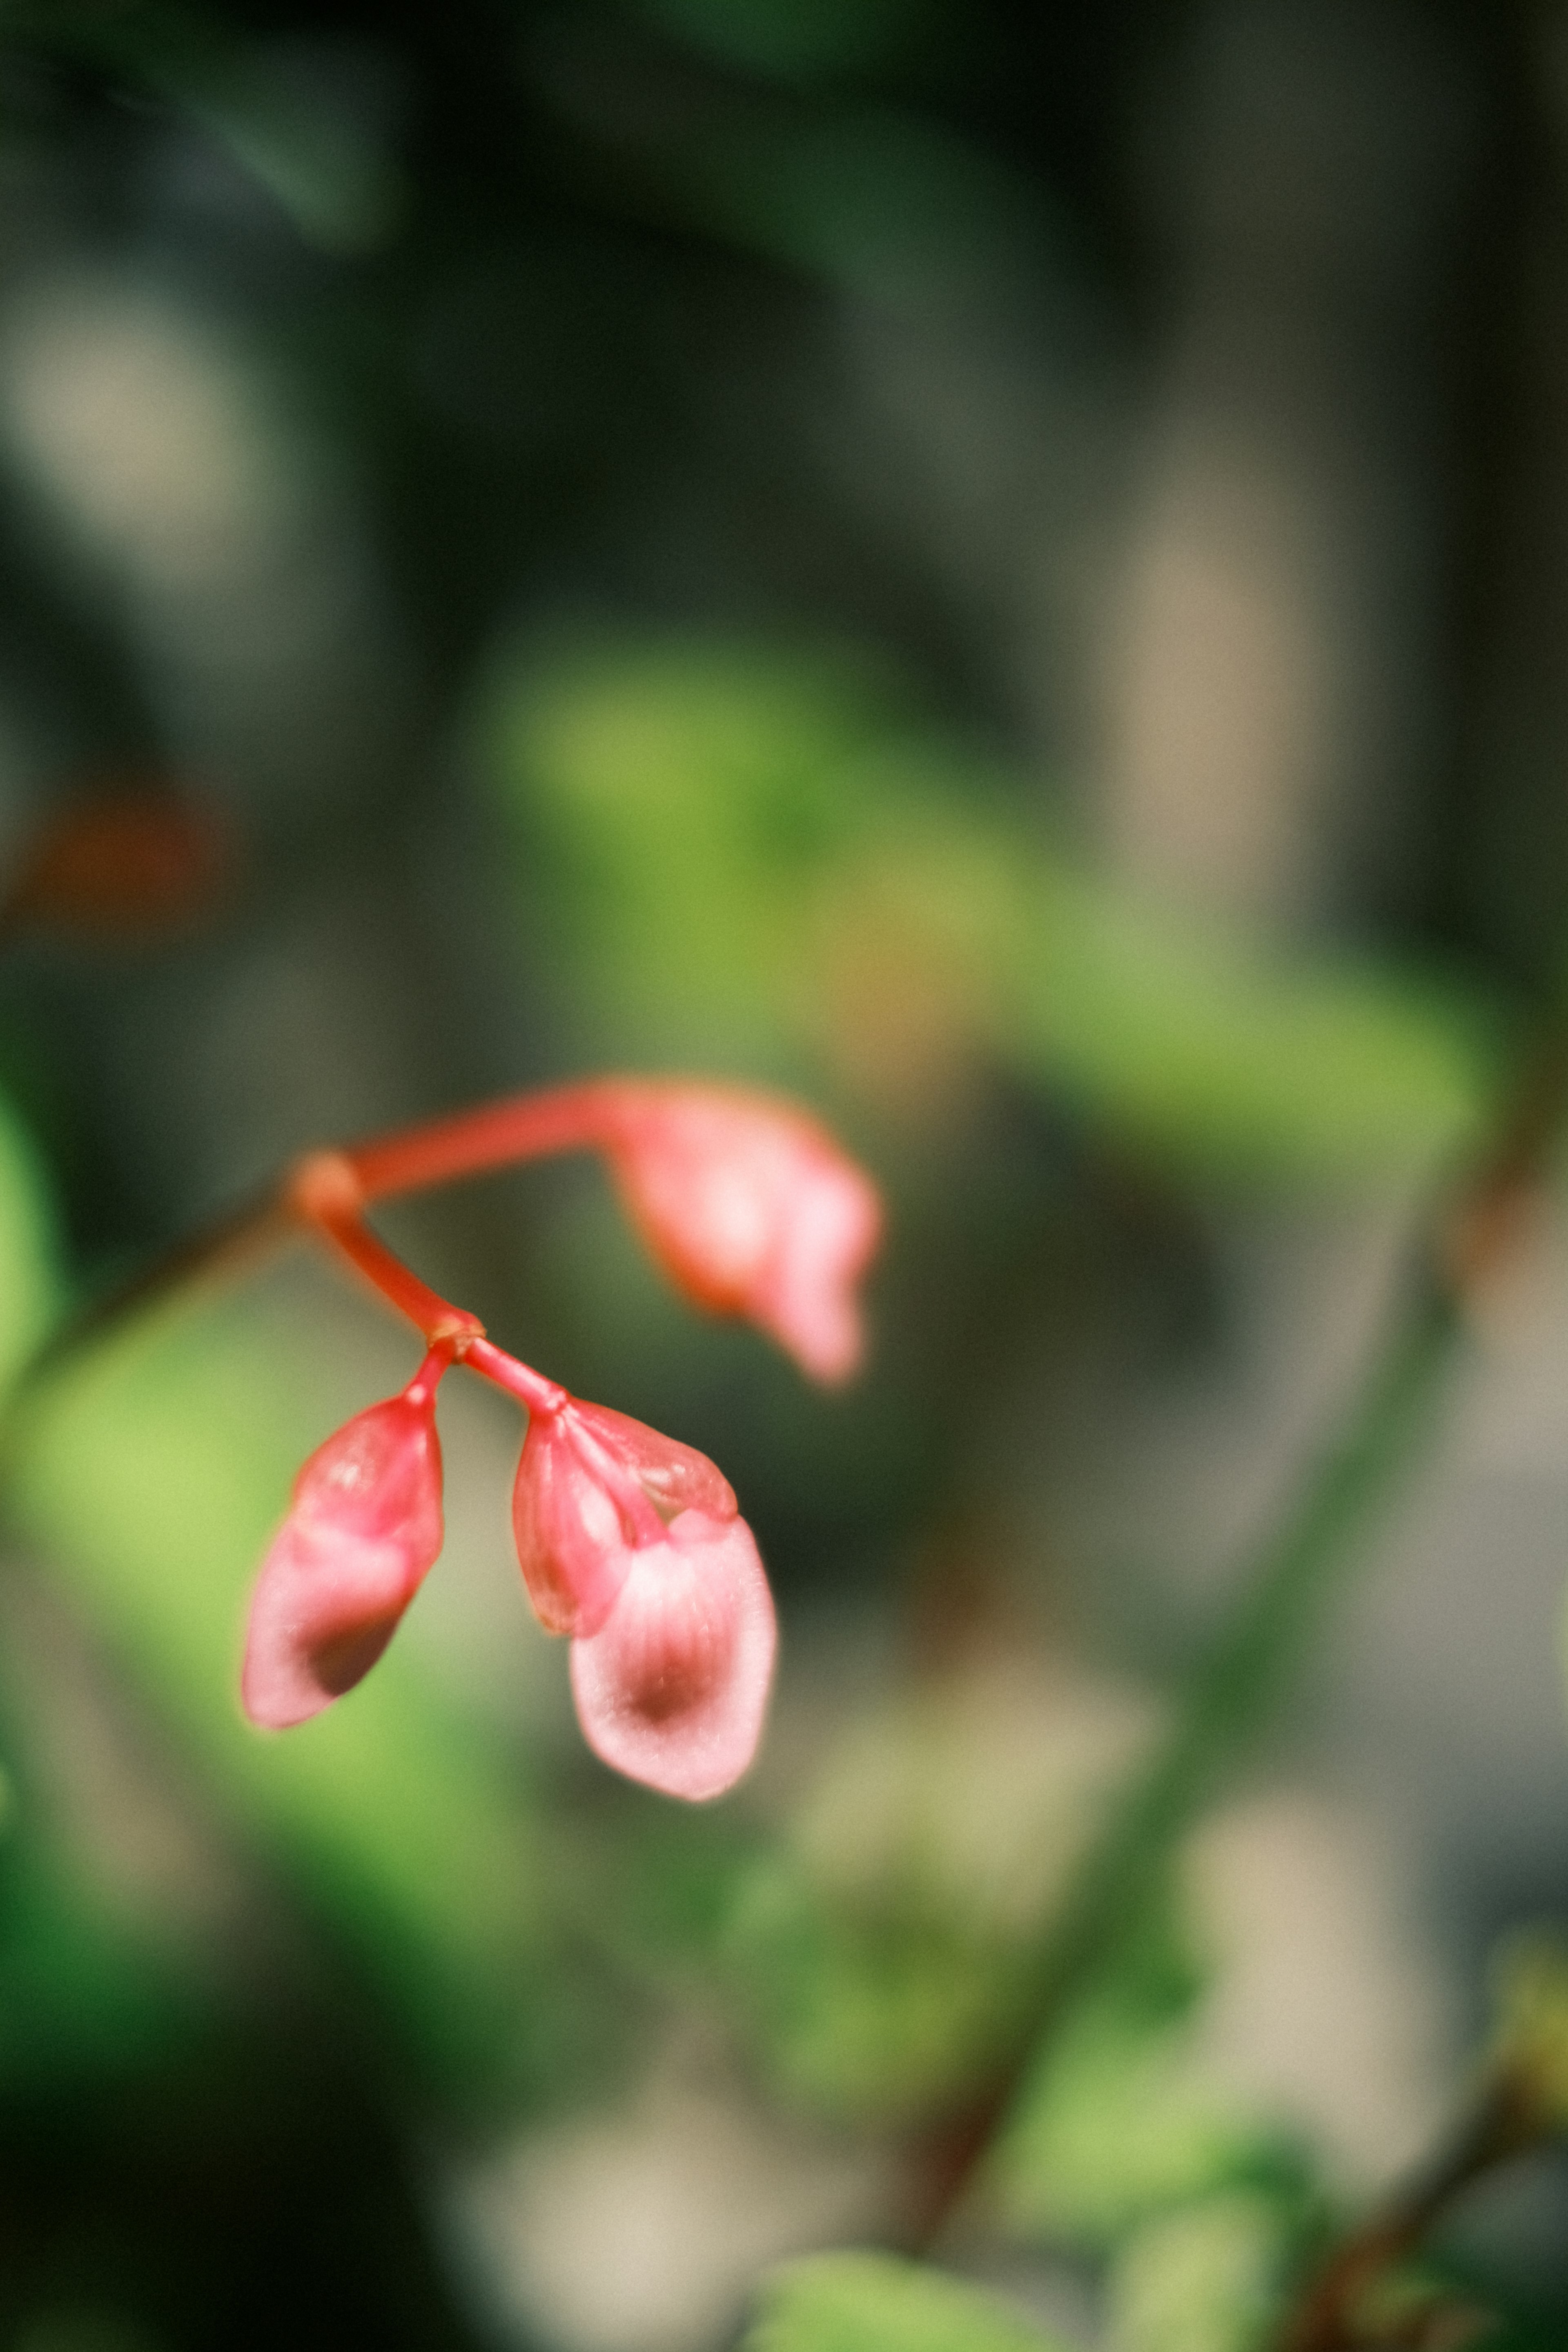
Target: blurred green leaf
point(153, 1472)
point(1184, 1037)
point(798, 40)
point(82, 1994)
point(877, 2302)
point(875, 1947)
point(888, 203)
point(103, 1969)
point(674, 802)
point(1199, 1043)
point(327, 171)
point(29, 1283)
point(282, 120)
point(893, 208)
point(663, 1887)
point(1529, 2034)
point(1118, 2123)
point(729, 833)
point(1206, 2279)
point(877, 2012)
point(80, 1987)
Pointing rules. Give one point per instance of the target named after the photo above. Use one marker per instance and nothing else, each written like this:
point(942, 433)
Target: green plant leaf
point(1203, 1044)
point(1189, 1039)
point(82, 1993)
point(881, 199)
point(676, 800)
point(1118, 2123)
point(1530, 2032)
point(877, 2012)
point(1206, 2279)
point(29, 1280)
point(713, 833)
point(316, 158)
point(877, 2302)
point(152, 1472)
point(880, 1949)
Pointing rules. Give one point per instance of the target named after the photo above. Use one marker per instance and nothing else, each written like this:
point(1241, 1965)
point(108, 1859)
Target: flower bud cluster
point(630, 1544)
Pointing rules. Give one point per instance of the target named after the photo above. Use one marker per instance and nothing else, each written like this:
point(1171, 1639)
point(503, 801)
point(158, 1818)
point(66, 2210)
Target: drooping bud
point(673, 1688)
point(592, 1485)
point(752, 1209)
point(364, 1529)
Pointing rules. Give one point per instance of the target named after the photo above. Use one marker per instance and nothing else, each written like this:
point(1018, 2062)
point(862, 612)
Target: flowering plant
point(630, 1543)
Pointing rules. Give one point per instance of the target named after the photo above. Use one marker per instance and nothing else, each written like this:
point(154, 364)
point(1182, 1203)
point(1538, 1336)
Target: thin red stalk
point(325, 1192)
point(519, 1380)
point(496, 1135)
point(426, 1309)
point(430, 1376)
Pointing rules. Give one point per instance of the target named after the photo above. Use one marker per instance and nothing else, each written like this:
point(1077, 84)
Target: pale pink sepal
point(364, 1529)
point(591, 1485)
point(673, 1688)
point(752, 1209)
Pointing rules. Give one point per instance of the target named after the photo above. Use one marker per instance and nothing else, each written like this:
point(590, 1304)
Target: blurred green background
point(1002, 568)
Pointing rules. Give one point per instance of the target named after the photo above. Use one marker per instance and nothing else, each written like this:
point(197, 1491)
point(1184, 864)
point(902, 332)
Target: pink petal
point(674, 1477)
point(324, 1608)
point(576, 1535)
point(672, 1690)
point(808, 1296)
point(364, 1529)
point(573, 1543)
point(379, 1476)
point(752, 1209)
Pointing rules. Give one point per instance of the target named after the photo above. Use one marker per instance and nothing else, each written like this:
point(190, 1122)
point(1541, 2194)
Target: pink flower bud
point(364, 1529)
point(592, 1485)
point(752, 1209)
point(673, 1687)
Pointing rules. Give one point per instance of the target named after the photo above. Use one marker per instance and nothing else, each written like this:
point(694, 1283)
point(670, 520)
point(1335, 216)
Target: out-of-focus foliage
point(155, 1471)
point(874, 2303)
point(798, 40)
point(873, 1950)
point(335, 179)
point(756, 851)
point(874, 2010)
point(1204, 2278)
point(619, 505)
point(1530, 2036)
point(1119, 2124)
point(86, 1996)
point(29, 1282)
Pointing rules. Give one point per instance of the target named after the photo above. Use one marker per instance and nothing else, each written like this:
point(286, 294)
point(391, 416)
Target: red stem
point(326, 1192)
point(519, 1380)
point(430, 1376)
point(435, 1317)
point(519, 1127)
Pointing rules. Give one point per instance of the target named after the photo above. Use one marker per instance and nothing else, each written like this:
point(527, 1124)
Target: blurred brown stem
point(1467, 1237)
point(263, 1224)
point(1506, 2121)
